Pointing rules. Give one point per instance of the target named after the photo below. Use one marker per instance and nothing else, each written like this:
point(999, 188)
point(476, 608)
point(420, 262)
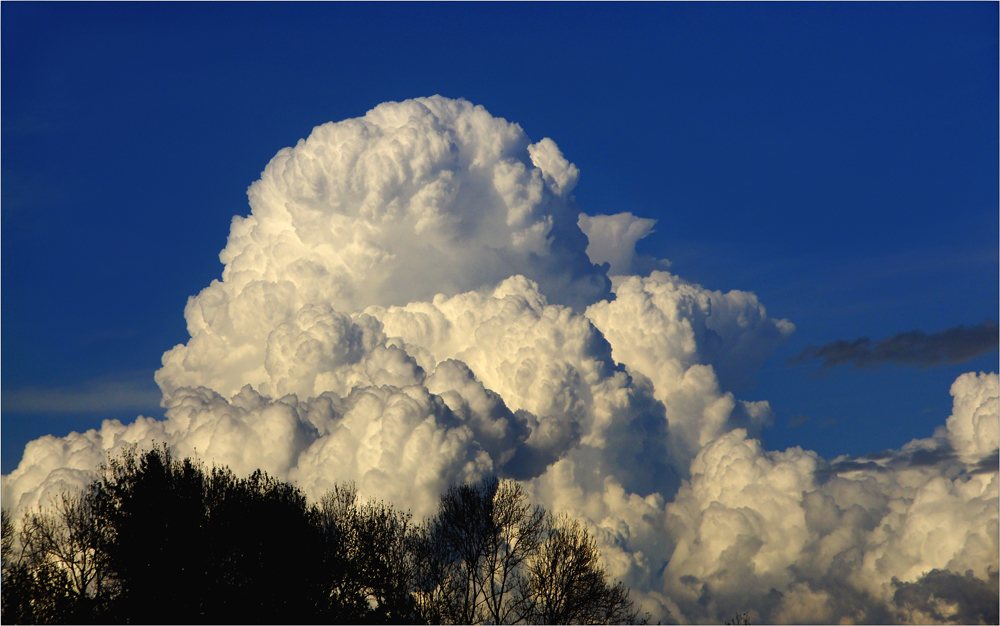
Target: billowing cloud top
point(414, 199)
point(416, 300)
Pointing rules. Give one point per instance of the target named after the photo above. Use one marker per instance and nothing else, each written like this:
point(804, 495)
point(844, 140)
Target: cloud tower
point(416, 299)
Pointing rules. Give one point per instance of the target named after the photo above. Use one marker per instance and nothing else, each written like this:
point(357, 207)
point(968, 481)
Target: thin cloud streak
point(121, 392)
point(948, 347)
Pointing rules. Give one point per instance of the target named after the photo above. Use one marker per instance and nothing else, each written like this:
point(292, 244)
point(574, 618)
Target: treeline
point(158, 540)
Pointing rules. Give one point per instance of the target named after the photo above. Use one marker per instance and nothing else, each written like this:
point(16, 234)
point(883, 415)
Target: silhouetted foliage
point(154, 508)
point(157, 540)
point(371, 548)
point(196, 546)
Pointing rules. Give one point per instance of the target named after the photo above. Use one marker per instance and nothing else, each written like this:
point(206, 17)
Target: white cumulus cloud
point(416, 299)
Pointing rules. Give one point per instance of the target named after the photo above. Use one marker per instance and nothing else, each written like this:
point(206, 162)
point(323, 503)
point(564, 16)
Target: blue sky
point(838, 160)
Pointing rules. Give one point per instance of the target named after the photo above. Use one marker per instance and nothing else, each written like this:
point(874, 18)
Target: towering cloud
point(415, 199)
point(415, 299)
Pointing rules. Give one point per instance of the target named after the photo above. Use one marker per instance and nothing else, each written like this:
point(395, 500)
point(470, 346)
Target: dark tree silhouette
point(266, 554)
point(154, 507)
point(157, 540)
point(473, 549)
point(44, 572)
point(71, 538)
point(372, 555)
point(569, 586)
point(191, 546)
point(489, 556)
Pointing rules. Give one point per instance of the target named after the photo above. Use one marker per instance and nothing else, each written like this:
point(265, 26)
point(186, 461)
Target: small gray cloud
point(798, 420)
point(132, 391)
point(936, 452)
point(947, 347)
point(945, 596)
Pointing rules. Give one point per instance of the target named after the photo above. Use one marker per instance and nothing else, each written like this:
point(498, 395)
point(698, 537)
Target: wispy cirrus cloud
point(916, 347)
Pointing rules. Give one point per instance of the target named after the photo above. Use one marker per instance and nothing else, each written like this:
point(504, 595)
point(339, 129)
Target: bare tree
point(569, 586)
point(472, 550)
point(372, 555)
point(55, 563)
point(70, 537)
point(8, 540)
point(490, 556)
point(514, 539)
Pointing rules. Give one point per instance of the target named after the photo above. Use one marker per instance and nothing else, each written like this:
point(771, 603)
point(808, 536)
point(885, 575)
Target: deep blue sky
point(839, 160)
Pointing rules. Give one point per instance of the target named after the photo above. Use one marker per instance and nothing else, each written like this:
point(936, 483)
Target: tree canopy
point(158, 540)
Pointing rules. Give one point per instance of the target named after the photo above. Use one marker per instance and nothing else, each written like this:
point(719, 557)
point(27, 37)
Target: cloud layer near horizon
point(416, 300)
